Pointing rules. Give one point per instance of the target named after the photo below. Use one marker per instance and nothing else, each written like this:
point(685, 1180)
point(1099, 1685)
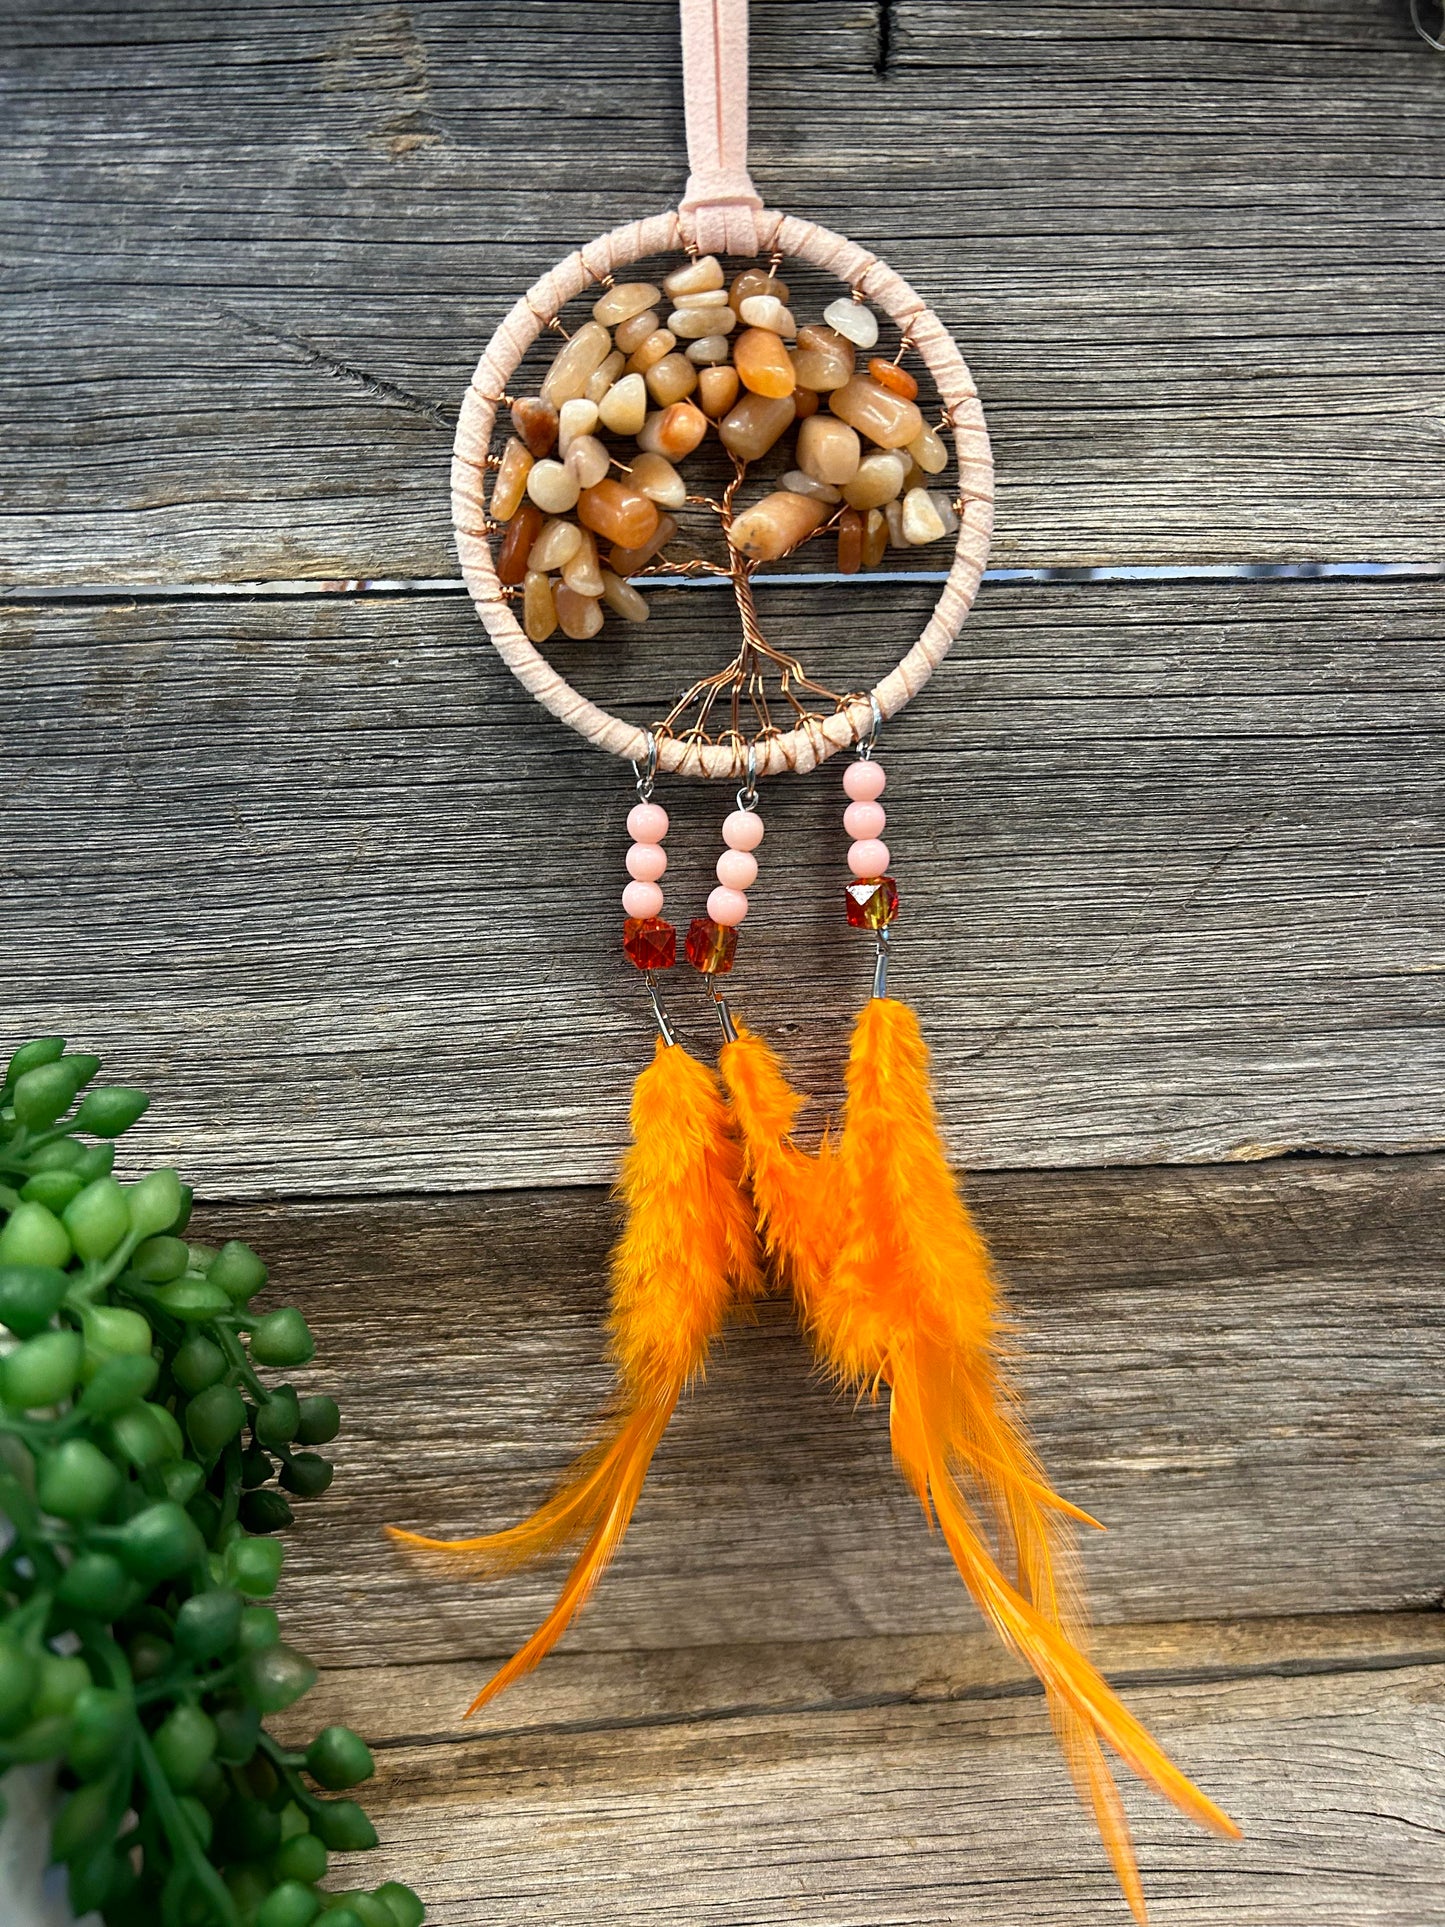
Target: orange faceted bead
point(850, 542)
point(618, 513)
point(711, 946)
point(650, 943)
point(871, 902)
point(897, 380)
point(761, 359)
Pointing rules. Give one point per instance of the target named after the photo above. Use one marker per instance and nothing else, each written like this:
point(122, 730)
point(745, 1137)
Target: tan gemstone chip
point(623, 301)
point(603, 376)
point(884, 418)
point(823, 360)
point(829, 450)
point(584, 572)
point(510, 486)
point(622, 598)
point(750, 429)
point(717, 390)
point(658, 480)
point(631, 335)
point(671, 379)
point(576, 362)
point(579, 615)
point(879, 480)
point(555, 547)
point(539, 610)
point(553, 487)
point(623, 408)
point(588, 460)
point(695, 278)
point(776, 524)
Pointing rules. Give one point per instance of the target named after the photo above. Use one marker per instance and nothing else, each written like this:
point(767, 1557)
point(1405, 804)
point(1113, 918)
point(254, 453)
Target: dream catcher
point(566, 501)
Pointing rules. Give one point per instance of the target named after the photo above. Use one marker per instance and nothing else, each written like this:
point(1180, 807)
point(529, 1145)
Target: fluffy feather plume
point(897, 1290)
point(791, 1189)
point(686, 1258)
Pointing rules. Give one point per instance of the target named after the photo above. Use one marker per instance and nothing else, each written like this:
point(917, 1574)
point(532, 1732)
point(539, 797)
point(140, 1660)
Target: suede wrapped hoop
point(811, 743)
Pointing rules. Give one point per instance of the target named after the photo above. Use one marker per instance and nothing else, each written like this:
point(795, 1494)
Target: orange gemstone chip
point(850, 542)
point(890, 376)
point(522, 531)
point(618, 513)
point(763, 363)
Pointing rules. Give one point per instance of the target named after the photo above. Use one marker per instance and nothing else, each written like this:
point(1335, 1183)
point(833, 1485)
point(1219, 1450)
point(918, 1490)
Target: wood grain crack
point(376, 385)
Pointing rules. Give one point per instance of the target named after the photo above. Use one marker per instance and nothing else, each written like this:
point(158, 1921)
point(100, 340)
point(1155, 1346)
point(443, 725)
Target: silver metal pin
point(664, 1027)
point(724, 1014)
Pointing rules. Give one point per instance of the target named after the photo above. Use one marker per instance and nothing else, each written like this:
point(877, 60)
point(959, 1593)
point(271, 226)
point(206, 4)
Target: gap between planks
point(340, 587)
point(399, 1704)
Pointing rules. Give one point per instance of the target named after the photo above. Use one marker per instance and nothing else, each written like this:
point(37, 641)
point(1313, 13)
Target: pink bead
point(743, 830)
point(737, 869)
point(642, 900)
point(727, 906)
point(864, 782)
point(864, 819)
point(646, 862)
point(868, 858)
point(647, 822)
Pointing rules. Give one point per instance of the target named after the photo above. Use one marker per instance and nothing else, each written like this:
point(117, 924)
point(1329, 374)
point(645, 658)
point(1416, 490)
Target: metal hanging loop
point(646, 772)
point(866, 743)
point(748, 794)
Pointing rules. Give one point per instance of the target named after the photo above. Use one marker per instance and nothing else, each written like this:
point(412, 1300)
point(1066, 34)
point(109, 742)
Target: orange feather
point(790, 1188)
point(687, 1257)
point(897, 1289)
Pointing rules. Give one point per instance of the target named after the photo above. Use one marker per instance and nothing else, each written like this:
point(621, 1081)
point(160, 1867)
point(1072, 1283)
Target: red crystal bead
point(711, 946)
point(650, 943)
point(871, 902)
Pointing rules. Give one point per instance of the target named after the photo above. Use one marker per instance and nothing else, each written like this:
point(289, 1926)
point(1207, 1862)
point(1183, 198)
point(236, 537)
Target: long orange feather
point(791, 1188)
point(687, 1257)
point(896, 1289)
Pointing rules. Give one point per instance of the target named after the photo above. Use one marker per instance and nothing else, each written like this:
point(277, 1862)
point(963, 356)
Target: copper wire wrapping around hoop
point(812, 740)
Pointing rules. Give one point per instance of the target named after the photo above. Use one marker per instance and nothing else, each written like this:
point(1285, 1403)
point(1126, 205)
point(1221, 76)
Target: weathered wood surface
point(1238, 1371)
point(423, 1702)
point(1170, 861)
point(882, 1792)
point(1192, 251)
point(311, 870)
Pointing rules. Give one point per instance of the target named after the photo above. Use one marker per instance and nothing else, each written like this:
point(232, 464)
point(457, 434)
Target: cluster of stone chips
point(588, 485)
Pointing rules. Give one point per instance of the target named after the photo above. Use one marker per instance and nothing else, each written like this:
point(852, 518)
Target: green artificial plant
point(145, 1465)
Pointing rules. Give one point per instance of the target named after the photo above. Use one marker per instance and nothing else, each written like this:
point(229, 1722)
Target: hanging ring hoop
point(810, 743)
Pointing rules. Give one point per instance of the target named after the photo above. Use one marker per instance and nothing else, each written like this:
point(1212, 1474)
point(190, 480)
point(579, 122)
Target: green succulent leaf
point(145, 1468)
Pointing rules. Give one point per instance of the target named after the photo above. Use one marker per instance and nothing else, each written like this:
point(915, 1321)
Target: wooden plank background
point(283, 841)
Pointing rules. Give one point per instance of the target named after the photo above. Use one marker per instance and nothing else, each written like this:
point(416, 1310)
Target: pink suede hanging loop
point(720, 208)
